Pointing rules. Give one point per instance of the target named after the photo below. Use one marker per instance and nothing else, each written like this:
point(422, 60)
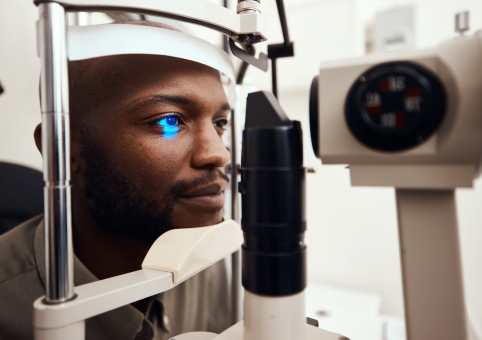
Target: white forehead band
point(86, 42)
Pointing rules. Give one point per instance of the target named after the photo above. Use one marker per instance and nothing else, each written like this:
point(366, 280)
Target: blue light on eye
point(170, 127)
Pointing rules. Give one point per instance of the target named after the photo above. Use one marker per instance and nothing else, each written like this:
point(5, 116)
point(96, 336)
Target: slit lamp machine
point(408, 120)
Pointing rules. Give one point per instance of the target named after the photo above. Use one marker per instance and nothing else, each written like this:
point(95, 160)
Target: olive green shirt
point(198, 304)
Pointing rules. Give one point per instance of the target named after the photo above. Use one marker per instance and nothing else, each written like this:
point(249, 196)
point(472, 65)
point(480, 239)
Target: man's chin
point(189, 218)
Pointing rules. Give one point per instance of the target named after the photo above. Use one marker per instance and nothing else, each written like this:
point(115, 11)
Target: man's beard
point(121, 206)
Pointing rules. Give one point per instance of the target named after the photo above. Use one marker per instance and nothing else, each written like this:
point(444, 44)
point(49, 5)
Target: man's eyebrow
point(225, 107)
point(161, 98)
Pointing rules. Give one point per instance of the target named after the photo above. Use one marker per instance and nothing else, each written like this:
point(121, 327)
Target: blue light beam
point(169, 126)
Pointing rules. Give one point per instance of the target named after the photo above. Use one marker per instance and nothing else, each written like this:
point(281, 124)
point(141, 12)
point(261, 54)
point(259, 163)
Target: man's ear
point(74, 147)
point(74, 151)
point(37, 135)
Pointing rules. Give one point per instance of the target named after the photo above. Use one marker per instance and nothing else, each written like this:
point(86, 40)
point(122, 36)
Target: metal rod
point(283, 21)
point(54, 98)
point(236, 299)
point(235, 257)
point(243, 68)
point(225, 37)
point(274, 78)
point(241, 73)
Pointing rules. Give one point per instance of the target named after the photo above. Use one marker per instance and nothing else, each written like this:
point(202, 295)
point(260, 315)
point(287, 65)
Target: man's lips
point(211, 189)
point(210, 196)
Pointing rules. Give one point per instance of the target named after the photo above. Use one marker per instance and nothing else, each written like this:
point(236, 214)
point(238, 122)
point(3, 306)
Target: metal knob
point(462, 22)
point(248, 6)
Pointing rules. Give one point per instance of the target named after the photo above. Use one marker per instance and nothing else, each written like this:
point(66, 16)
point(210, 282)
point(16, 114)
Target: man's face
point(152, 154)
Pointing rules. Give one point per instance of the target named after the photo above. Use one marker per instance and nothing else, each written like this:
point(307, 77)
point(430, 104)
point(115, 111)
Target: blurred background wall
point(19, 74)
point(352, 237)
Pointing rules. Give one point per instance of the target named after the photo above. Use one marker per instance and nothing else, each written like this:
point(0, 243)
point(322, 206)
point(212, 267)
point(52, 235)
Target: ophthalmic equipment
point(272, 184)
point(411, 120)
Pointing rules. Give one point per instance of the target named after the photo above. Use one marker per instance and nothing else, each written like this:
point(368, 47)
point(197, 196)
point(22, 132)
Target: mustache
point(183, 186)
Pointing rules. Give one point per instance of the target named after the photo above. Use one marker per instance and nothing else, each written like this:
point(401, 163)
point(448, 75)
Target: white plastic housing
point(237, 332)
point(186, 252)
point(449, 159)
point(274, 317)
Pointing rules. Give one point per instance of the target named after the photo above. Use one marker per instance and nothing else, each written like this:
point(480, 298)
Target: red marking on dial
point(384, 85)
point(412, 92)
point(400, 119)
point(373, 110)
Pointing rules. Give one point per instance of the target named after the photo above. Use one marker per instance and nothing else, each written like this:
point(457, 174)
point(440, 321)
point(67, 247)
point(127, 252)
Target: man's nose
point(209, 149)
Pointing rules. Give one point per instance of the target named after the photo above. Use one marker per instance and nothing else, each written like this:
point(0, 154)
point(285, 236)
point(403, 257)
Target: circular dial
point(395, 106)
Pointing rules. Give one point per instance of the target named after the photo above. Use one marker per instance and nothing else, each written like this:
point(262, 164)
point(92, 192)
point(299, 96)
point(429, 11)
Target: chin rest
point(186, 252)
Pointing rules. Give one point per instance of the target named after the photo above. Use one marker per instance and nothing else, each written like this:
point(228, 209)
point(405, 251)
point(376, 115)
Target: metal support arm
point(102, 296)
point(199, 12)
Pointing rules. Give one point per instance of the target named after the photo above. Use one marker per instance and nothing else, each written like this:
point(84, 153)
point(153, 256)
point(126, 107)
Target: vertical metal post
point(431, 265)
point(54, 98)
point(235, 257)
point(236, 298)
point(274, 78)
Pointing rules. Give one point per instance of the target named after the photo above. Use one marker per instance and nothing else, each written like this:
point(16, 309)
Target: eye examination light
point(170, 127)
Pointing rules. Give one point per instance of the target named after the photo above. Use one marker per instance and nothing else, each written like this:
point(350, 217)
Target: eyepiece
point(273, 200)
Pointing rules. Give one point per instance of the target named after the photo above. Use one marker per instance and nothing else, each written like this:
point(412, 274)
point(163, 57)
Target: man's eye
point(169, 126)
point(168, 121)
point(222, 123)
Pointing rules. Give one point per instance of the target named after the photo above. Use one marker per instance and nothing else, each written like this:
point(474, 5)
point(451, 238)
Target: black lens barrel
point(273, 200)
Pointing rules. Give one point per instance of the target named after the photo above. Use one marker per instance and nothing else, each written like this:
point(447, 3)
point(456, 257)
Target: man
point(146, 157)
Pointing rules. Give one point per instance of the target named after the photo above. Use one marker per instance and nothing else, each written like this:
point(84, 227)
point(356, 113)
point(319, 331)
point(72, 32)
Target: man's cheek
point(155, 155)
